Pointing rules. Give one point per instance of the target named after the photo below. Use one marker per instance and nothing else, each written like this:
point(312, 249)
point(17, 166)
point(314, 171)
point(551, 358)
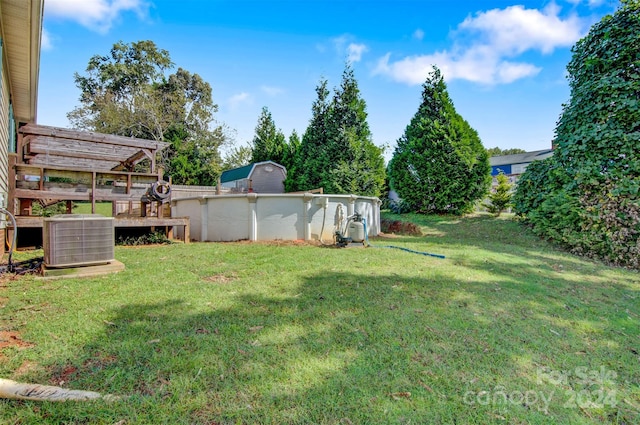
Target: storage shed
point(259, 177)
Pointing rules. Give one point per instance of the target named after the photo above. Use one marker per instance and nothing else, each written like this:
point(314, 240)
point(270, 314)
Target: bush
point(153, 238)
point(500, 197)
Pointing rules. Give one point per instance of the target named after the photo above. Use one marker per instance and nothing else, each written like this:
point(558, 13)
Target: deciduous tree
point(130, 93)
point(499, 152)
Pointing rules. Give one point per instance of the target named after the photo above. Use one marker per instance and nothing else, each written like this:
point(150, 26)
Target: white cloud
point(239, 99)
point(487, 46)
point(345, 46)
point(515, 29)
point(97, 15)
point(355, 51)
point(272, 91)
point(45, 41)
point(418, 34)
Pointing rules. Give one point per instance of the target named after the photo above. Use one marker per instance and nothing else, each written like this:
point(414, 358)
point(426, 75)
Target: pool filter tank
point(356, 231)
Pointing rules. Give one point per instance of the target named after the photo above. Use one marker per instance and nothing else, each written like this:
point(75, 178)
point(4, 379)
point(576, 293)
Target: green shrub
point(500, 197)
point(586, 196)
point(153, 238)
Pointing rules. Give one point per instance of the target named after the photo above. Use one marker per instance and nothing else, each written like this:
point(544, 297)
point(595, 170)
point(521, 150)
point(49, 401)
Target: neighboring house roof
point(244, 172)
point(520, 158)
point(21, 22)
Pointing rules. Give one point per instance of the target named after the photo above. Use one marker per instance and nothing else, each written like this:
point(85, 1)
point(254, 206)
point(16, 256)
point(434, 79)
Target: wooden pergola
point(61, 165)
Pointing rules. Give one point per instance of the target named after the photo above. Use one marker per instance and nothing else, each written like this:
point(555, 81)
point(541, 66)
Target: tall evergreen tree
point(359, 165)
point(312, 160)
point(337, 152)
point(439, 164)
point(269, 143)
point(289, 160)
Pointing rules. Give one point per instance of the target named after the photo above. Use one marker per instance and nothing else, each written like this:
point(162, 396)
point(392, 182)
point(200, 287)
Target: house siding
point(496, 169)
point(4, 143)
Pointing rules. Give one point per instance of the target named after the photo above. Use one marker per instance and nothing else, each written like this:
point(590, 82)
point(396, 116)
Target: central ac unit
point(72, 240)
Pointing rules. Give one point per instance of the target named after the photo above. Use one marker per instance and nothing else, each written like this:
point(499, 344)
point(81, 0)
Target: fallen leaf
point(153, 341)
point(255, 328)
point(402, 394)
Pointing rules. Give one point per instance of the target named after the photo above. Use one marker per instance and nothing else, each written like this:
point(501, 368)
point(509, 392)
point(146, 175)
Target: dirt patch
point(399, 227)
point(64, 375)
point(12, 339)
point(220, 278)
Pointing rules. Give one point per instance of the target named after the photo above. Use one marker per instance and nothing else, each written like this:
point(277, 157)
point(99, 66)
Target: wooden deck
point(119, 222)
point(62, 165)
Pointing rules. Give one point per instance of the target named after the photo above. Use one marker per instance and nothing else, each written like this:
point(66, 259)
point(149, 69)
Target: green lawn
point(506, 329)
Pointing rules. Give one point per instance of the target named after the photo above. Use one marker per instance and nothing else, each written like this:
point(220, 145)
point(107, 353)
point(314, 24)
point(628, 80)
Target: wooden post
point(128, 192)
point(25, 207)
point(187, 232)
point(93, 192)
point(11, 204)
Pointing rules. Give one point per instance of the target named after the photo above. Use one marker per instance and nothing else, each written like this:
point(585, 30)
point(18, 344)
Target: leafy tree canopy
point(129, 92)
point(586, 196)
point(439, 164)
point(499, 152)
point(237, 156)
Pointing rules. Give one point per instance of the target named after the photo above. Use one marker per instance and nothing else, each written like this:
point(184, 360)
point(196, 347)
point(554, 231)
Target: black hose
point(160, 190)
point(409, 250)
point(13, 243)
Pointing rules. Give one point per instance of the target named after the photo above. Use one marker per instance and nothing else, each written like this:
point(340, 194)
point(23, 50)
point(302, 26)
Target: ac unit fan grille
point(78, 240)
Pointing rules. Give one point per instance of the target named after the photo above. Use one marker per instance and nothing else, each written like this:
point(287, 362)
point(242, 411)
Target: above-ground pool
point(261, 217)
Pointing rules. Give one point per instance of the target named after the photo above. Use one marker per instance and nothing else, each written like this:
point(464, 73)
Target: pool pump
point(354, 232)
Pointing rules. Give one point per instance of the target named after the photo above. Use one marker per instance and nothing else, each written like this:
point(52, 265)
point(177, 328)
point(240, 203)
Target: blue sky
point(504, 61)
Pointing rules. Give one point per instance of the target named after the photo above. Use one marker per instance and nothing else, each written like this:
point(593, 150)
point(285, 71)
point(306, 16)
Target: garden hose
point(21, 391)
point(10, 267)
point(366, 236)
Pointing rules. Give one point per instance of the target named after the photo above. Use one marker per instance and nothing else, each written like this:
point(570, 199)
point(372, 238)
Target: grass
point(506, 329)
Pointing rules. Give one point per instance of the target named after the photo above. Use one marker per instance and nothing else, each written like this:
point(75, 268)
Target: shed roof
point(243, 172)
point(520, 158)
